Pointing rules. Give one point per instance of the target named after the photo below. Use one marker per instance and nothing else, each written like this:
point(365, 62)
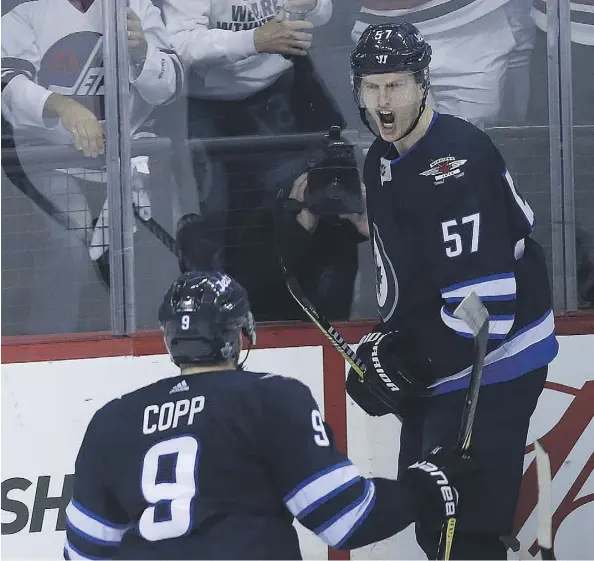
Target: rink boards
point(47, 404)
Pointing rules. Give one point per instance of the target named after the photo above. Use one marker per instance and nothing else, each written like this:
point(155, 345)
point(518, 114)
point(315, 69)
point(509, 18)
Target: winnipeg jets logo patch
point(443, 168)
point(386, 282)
point(385, 170)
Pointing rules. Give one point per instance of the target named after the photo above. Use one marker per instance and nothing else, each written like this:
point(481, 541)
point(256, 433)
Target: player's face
point(393, 101)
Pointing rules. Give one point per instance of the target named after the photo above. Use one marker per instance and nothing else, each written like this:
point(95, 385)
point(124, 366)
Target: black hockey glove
point(433, 482)
point(387, 380)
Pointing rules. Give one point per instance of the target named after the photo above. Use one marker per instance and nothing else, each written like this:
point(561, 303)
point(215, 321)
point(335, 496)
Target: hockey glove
point(432, 482)
point(387, 380)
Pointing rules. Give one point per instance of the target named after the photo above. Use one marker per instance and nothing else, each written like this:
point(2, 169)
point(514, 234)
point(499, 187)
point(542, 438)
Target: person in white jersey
point(478, 45)
point(53, 92)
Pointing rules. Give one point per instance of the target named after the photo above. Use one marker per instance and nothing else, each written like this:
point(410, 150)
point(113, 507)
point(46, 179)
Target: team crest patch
point(443, 168)
point(385, 170)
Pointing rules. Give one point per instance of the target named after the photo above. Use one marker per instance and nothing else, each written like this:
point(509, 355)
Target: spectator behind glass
point(250, 75)
point(320, 246)
point(234, 47)
point(53, 93)
point(582, 61)
point(582, 77)
point(475, 44)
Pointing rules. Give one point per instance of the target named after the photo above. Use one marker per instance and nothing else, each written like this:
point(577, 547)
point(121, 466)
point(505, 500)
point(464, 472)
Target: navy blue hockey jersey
point(216, 466)
point(446, 219)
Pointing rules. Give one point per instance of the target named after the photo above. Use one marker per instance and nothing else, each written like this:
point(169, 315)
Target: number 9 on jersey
point(170, 500)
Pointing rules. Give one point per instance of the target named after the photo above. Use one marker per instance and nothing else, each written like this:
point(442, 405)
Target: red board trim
point(296, 334)
point(103, 344)
point(270, 335)
point(335, 413)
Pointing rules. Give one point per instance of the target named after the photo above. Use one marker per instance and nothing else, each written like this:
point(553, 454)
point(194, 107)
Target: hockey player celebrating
point(445, 219)
point(217, 462)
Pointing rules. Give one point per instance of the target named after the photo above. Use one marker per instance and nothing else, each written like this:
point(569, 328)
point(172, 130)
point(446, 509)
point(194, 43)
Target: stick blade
point(545, 506)
point(472, 312)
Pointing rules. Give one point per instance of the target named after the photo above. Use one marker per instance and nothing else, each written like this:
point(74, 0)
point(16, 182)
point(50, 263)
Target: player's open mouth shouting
point(390, 85)
point(387, 119)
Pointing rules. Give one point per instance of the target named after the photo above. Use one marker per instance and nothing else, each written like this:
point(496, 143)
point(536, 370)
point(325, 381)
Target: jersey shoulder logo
point(386, 282)
point(385, 170)
point(73, 66)
point(442, 168)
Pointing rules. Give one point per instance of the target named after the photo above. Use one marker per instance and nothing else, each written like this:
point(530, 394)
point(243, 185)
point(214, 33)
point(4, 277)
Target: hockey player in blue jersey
point(216, 463)
point(445, 219)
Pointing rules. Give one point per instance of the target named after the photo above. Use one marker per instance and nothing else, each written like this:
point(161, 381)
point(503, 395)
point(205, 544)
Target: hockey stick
point(322, 323)
point(25, 186)
point(544, 533)
point(544, 510)
point(472, 311)
point(511, 542)
point(159, 232)
point(305, 304)
point(337, 340)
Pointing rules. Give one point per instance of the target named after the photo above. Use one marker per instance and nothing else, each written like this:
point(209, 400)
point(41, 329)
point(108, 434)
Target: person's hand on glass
point(81, 123)
point(137, 45)
point(298, 9)
point(284, 37)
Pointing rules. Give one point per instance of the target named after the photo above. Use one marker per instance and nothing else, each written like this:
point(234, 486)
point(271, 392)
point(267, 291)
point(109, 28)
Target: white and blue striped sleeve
point(516, 211)
point(321, 487)
point(95, 523)
point(90, 536)
point(480, 241)
point(498, 294)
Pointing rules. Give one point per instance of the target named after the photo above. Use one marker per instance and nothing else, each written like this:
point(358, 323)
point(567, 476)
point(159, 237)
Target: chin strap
point(240, 364)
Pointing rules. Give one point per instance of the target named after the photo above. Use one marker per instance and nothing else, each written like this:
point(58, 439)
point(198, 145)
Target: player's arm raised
point(157, 71)
point(477, 240)
point(188, 22)
point(325, 491)
point(95, 522)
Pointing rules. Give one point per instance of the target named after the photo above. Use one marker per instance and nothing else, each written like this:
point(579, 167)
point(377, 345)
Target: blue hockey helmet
point(203, 315)
point(389, 48)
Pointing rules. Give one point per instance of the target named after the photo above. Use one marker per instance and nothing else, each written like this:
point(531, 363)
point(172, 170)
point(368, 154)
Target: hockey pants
point(488, 501)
